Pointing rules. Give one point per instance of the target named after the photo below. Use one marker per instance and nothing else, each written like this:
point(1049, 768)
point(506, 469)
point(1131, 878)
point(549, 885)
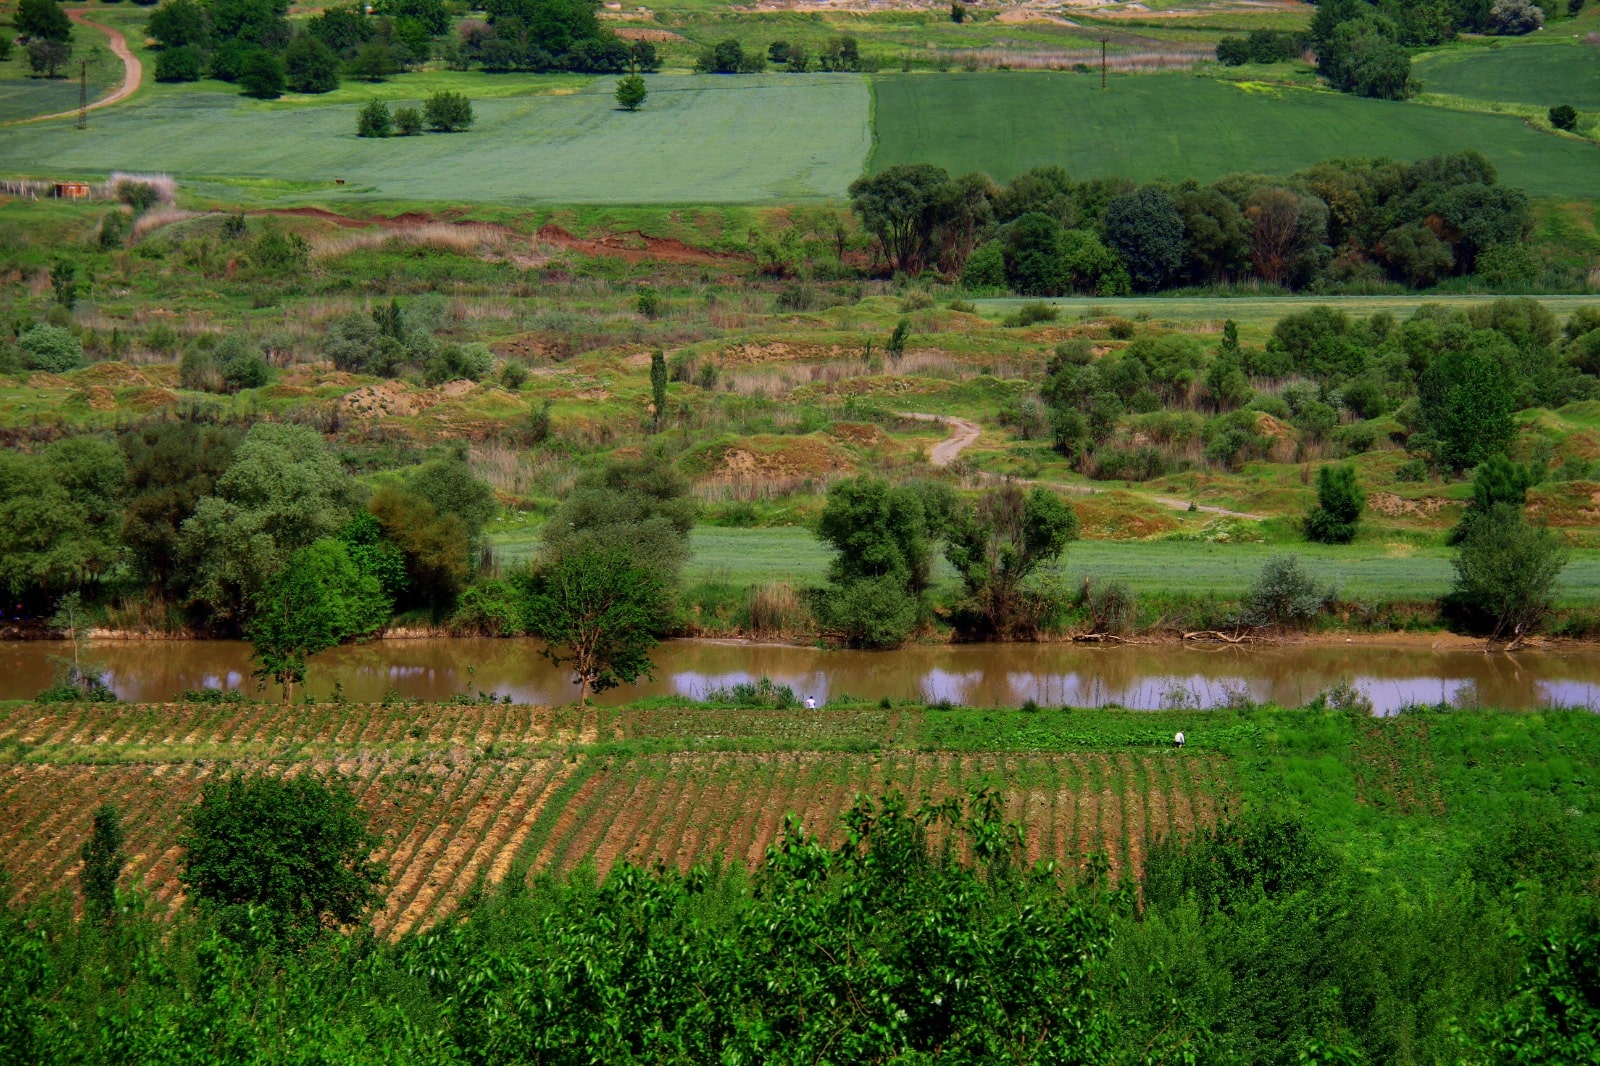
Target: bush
point(50, 348)
point(184, 63)
point(1111, 607)
point(1564, 117)
point(241, 364)
point(1030, 314)
point(310, 66)
point(374, 120)
point(114, 229)
point(1339, 502)
point(985, 267)
point(448, 112)
point(262, 75)
point(1513, 18)
point(874, 612)
point(488, 608)
point(1284, 596)
point(631, 92)
point(407, 121)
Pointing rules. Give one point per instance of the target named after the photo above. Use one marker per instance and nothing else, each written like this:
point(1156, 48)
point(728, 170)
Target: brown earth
point(1387, 503)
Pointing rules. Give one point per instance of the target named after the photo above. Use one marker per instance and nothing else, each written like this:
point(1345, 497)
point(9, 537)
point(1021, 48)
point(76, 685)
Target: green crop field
point(1364, 571)
point(24, 96)
point(699, 140)
point(1539, 72)
point(1177, 126)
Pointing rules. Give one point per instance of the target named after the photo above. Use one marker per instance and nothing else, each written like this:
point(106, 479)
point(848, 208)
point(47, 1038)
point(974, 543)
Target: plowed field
point(467, 795)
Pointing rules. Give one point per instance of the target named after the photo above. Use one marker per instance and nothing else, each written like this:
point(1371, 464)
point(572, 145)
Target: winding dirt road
point(964, 433)
point(132, 69)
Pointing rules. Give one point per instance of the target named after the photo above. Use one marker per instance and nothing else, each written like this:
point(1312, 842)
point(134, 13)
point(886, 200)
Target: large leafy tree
point(59, 513)
point(283, 492)
point(877, 530)
point(320, 599)
point(1465, 400)
point(280, 857)
point(901, 207)
point(599, 613)
point(642, 505)
point(996, 547)
point(42, 20)
point(1145, 228)
point(171, 466)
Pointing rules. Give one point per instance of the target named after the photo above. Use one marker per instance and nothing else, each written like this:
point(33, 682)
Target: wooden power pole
point(83, 94)
point(1103, 64)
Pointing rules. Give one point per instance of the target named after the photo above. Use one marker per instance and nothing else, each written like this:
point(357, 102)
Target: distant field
point(1366, 571)
point(1262, 311)
point(1543, 73)
point(1176, 126)
point(23, 96)
point(698, 140)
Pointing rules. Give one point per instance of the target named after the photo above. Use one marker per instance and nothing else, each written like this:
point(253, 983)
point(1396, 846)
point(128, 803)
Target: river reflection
point(972, 675)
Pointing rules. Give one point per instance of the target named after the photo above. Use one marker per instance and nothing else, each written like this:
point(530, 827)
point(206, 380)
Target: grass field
point(1361, 571)
point(1528, 71)
point(1176, 126)
point(23, 96)
point(699, 140)
point(459, 794)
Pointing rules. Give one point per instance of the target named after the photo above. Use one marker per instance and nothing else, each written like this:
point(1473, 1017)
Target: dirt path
point(132, 69)
point(964, 433)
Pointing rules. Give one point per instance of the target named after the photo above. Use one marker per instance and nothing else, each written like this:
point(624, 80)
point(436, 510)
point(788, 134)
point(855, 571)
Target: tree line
point(1341, 225)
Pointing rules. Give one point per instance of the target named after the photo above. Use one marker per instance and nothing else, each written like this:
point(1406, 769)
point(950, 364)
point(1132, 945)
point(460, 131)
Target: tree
point(103, 860)
point(631, 92)
point(170, 467)
point(42, 20)
point(436, 549)
point(1514, 18)
point(1284, 595)
point(286, 857)
point(1564, 117)
point(877, 530)
point(320, 599)
point(1465, 400)
point(1507, 569)
point(724, 57)
point(1035, 250)
point(283, 492)
point(58, 516)
point(45, 56)
point(310, 66)
point(1496, 481)
point(996, 547)
point(447, 112)
point(180, 23)
point(261, 75)
point(1339, 502)
point(642, 505)
point(599, 612)
point(373, 120)
point(1554, 1016)
point(1145, 229)
point(183, 63)
point(899, 206)
point(873, 612)
point(658, 388)
point(407, 121)
point(374, 61)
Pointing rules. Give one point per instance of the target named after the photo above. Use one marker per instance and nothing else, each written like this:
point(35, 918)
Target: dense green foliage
point(1339, 503)
point(279, 859)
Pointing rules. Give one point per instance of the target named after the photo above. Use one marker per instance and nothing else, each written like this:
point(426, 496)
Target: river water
point(998, 675)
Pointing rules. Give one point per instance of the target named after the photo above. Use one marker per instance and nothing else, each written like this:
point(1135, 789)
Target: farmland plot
point(740, 139)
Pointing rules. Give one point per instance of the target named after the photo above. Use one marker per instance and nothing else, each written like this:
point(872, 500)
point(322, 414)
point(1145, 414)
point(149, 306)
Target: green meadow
point(1368, 570)
point(1179, 126)
point(1538, 72)
point(700, 140)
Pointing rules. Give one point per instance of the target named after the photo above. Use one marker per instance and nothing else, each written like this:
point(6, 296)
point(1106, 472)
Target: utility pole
point(1103, 64)
point(83, 94)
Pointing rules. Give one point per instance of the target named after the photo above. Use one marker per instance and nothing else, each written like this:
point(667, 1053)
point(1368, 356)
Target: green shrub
point(184, 63)
point(1339, 503)
point(1564, 117)
point(869, 612)
point(374, 120)
point(1032, 313)
point(407, 121)
point(448, 112)
point(1284, 596)
point(50, 348)
point(985, 267)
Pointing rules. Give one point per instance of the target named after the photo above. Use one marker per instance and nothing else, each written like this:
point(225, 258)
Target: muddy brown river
point(972, 675)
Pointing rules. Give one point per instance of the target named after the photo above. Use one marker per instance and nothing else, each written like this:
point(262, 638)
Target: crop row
point(155, 732)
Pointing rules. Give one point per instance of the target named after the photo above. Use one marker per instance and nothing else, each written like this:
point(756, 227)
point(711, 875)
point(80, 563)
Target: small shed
point(72, 190)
